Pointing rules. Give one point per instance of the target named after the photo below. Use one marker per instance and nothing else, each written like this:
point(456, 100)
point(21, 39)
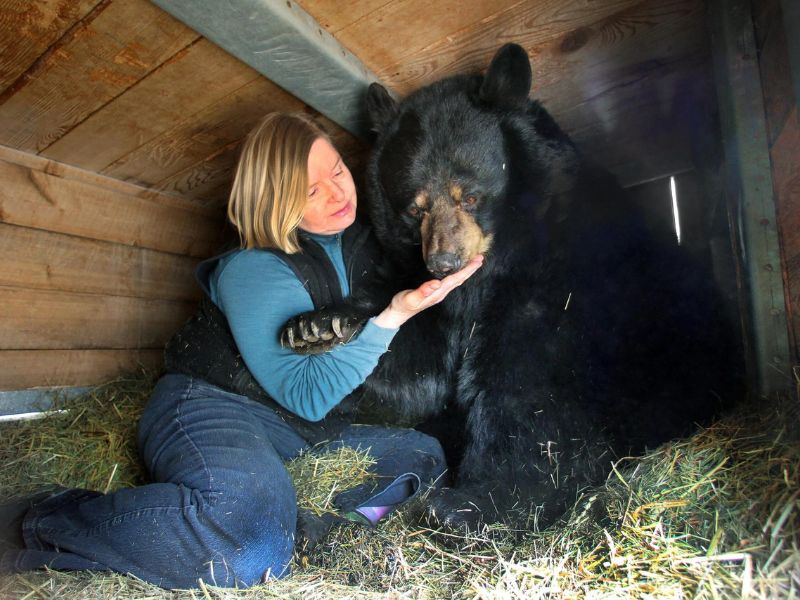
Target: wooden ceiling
point(121, 88)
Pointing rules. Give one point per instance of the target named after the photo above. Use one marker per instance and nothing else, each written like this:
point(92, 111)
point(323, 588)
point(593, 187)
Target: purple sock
point(373, 514)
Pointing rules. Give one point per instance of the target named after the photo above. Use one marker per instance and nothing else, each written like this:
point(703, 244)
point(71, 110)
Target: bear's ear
point(381, 107)
point(508, 81)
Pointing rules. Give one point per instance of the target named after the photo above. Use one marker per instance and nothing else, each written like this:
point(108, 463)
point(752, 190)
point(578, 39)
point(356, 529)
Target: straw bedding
point(716, 515)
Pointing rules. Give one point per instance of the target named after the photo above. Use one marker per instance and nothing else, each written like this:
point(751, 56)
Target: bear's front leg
point(319, 331)
point(531, 443)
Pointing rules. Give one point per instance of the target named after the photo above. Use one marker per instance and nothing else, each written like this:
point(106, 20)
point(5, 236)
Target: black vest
point(204, 347)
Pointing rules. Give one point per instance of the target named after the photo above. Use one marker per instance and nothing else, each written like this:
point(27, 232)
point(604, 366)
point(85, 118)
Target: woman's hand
point(408, 303)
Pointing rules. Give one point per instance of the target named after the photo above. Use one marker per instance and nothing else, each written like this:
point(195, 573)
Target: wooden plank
point(394, 30)
point(529, 24)
point(595, 67)
point(32, 258)
point(32, 198)
point(197, 77)
point(209, 181)
point(124, 40)
point(639, 135)
point(38, 320)
point(776, 75)
point(186, 156)
point(652, 50)
point(786, 175)
point(791, 26)
point(24, 369)
point(330, 15)
point(201, 135)
point(30, 28)
point(749, 185)
point(287, 46)
point(69, 172)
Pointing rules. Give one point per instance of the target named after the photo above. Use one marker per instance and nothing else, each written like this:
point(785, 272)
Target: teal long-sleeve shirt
point(258, 293)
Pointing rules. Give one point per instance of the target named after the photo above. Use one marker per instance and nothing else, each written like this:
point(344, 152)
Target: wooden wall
point(629, 80)
point(119, 127)
point(783, 124)
point(94, 273)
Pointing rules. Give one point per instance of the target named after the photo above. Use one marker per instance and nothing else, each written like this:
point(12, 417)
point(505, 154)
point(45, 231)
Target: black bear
point(583, 337)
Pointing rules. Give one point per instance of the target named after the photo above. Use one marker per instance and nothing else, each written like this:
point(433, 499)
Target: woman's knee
point(256, 536)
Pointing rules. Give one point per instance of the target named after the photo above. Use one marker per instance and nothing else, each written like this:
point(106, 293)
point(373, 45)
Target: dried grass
point(716, 515)
point(318, 477)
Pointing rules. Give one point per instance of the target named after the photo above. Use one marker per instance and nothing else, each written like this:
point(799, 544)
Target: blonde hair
point(270, 186)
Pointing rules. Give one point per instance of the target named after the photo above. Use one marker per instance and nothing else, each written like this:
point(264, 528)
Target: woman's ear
point(381, 107)
point(507, 82)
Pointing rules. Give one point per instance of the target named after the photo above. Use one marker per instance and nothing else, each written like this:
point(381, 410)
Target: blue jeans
point(222, 507)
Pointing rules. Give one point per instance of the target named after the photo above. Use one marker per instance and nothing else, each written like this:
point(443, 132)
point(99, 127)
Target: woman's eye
point(312, 192)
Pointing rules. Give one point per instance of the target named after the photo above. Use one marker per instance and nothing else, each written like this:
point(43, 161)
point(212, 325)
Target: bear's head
point(448, 155)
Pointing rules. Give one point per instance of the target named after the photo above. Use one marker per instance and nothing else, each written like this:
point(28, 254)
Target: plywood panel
point(28, 29)
point(106, 55)
point(39, 320)
point(32, 258)
point(36, 368)
point(33, 198)
point(195, 78)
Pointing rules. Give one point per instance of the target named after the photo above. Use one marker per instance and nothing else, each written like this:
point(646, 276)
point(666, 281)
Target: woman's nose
point(335, 192)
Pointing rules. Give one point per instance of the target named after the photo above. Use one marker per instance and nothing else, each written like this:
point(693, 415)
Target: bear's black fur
point(583, 337)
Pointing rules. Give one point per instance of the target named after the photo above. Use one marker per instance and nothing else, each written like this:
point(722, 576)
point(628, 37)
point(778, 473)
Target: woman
point(222, 507)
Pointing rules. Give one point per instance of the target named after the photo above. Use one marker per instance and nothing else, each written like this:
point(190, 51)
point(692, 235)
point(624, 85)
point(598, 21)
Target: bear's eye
point(469, 201)
point(414, 211)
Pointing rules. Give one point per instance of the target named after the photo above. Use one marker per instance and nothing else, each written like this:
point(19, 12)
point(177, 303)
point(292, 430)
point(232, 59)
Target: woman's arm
point(258, 292)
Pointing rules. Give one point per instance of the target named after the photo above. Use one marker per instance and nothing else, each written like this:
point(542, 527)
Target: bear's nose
point(443, 264)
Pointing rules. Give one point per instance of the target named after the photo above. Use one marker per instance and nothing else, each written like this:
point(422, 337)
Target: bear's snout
point(444, 263)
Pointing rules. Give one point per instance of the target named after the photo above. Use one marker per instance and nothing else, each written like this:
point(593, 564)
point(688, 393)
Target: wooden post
point(748, 184)
point(791, 23)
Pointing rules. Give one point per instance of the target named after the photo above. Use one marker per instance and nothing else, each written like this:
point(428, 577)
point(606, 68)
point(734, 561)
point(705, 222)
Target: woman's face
point(331, 204)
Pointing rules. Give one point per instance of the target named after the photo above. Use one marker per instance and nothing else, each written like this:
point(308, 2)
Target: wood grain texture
point(198, 153)
point(28, 29)
point(104, 57)
point(776, 76)
point(39, 320)
point(532, 25)
point(190, 81)
point(385, 33)
point(101, 182)
point(786, 178)
point(34, 198)
point(596, 65)
point(36, 259)
point(24, 369)
point(198, 136)
point(330, 13)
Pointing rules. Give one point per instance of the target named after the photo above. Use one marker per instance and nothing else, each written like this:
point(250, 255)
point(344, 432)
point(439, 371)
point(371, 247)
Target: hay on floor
point(716, 515)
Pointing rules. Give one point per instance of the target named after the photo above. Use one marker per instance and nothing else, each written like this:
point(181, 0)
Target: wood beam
point(285, 44)
point(748, 182)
